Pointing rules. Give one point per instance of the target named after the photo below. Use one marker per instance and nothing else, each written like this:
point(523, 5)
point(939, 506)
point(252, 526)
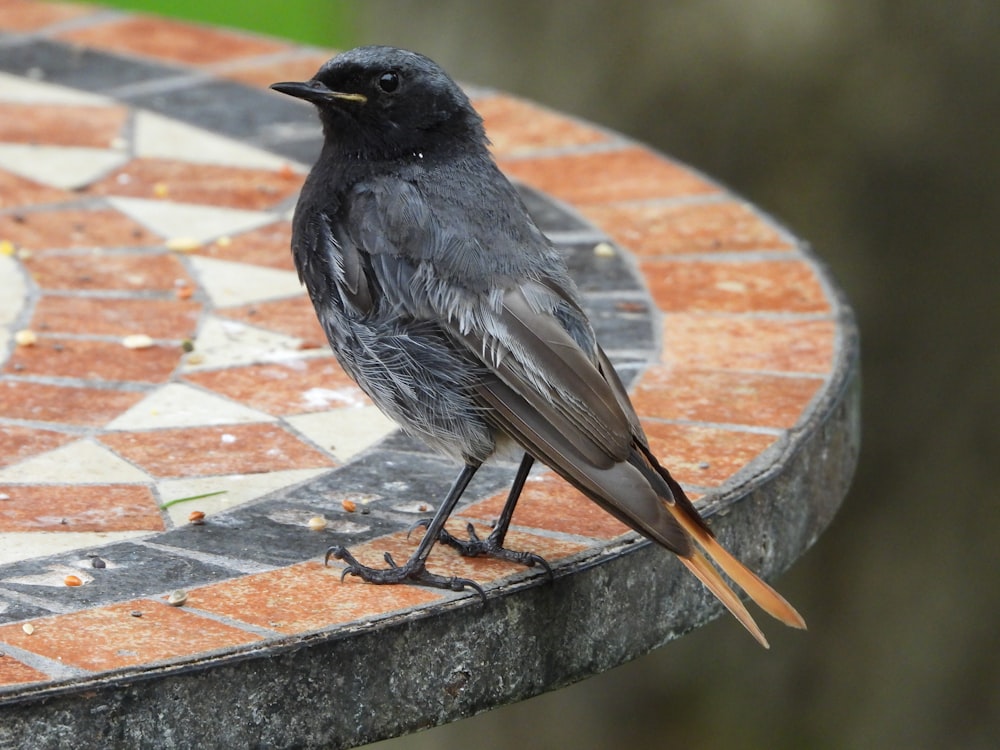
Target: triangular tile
point(160, 137)
point(82, 461)
point(178, 405)
point(200, 223)
point(344, 432)
point(239, 489)
point(225, 343)
point(19, 89)
point(66, 167)
point(229, 283)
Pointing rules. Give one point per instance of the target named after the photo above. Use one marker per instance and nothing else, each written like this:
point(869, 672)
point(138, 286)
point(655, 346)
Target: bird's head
point(387, 103)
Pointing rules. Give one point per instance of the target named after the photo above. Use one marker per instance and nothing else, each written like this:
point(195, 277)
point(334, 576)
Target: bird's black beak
point(315, 92)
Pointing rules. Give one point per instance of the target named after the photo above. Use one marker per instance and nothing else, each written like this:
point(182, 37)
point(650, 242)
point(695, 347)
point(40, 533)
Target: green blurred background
point(870, 127)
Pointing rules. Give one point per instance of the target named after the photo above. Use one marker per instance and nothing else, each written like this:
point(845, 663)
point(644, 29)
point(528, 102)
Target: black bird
point(456, 316)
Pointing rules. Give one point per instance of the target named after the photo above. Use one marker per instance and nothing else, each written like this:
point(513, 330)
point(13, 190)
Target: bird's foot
point(475, 546)
point(413, 571)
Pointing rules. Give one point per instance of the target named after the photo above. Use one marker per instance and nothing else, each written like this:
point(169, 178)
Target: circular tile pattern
point(136, 208)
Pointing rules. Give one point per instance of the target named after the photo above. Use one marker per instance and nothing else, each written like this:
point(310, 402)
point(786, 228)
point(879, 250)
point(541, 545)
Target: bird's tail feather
point(698, 564)
point(762, 594)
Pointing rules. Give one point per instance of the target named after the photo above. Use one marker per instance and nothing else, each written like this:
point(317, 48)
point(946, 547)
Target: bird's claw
point(474, 546)
point(412, 572)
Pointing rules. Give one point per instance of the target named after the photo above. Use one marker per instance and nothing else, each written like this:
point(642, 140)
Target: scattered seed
point(136, 613)
point(422, 508)
point(72, 581)
point(196, 517)
point(160, 190)
point(23, 253)
point(187, 345)
point(98, 563)
point(184, 291)
point(286, 171)
point(317, 523)
point(4, 496)
point(137, 341)
point(28, 628)
point(177, 598)
point(195, 358)
point(7, 248)
point(349, 506)
point(604, 250)
point(183, 244)
point(224, 241)
point(25, 337)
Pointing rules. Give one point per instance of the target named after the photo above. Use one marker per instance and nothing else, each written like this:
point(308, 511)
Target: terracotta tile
point(607, 176)
point(204, 451)
point(264, 74)
point(161, 272)
point(736, 343)
point(46, 124)
point(79, 508)
point(719, 226)
point(112, 638)
point(12, 671)
point(305, 597)
point(74, 228)
point(447, 562)
point(293, 317)
point(515, 126)
point(268, 246)
point(550, 503)
point(202, 184)
point(174, 41)
point(108, 316)
point(704, 456)
point(29, 15)
point(18, 443)
point(59, 404)
point(734, 286)
point(94, 360)
point(19, 191)
point(294, 387)
point(723, 397)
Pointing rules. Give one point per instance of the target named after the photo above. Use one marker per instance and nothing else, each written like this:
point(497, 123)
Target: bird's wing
point(545, 382)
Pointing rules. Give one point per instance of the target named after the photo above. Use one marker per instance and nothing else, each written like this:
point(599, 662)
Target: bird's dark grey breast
point(358, 253)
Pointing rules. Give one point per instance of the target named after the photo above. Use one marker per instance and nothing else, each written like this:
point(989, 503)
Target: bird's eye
point(388, 82)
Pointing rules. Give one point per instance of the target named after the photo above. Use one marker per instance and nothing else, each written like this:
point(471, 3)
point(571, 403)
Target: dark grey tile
point(131, 570)
point(13, 610)
point(224, 107)
point(594, 272)
point(78, 67)
point(621, 323)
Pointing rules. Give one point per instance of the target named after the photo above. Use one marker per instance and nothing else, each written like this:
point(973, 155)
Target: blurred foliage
point(327, 23)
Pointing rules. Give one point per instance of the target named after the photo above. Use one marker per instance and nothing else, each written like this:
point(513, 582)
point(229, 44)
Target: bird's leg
point(414, 570)
point(492, 546)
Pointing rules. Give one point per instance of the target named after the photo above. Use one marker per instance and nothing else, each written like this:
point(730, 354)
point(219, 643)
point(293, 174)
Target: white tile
point(179, 405)
point(229, 283)
point(82, 462)
point(224, 343)
point(65, 167)
point(160, 137)
point(344, 432)
point(239, 489)
point(28, 90)
point(200, 223)
point(13, 292)
point(19, 546)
